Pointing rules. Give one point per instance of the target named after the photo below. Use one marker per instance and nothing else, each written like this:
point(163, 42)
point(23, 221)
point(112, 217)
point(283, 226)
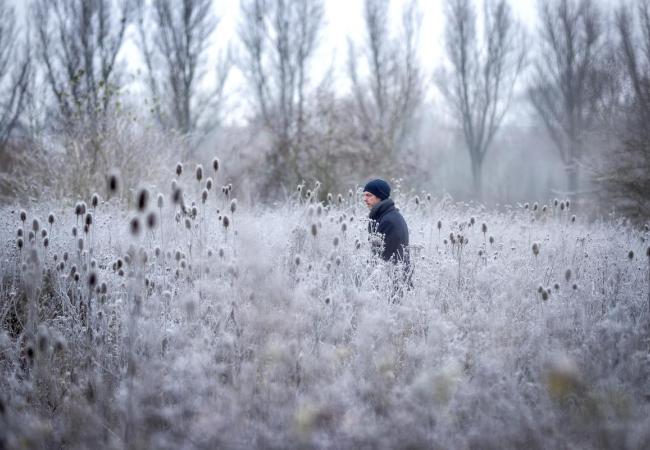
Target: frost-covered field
point(277, 330)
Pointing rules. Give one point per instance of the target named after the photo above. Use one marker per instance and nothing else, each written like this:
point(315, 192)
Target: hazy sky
point(344, 18)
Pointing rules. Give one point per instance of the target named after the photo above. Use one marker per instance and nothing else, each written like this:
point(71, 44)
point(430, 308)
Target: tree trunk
point(477, 177)
point(572, 179)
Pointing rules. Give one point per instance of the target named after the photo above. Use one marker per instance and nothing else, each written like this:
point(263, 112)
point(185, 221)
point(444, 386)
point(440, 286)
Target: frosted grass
point(264, 335)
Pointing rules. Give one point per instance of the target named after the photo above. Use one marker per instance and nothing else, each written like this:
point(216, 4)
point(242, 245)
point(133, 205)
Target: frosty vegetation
point(193, 321)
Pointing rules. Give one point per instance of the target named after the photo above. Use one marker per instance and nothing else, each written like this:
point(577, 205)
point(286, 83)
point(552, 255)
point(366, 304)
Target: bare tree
point(174, 39)
point(568, 80)
point(14, 74)
point(78, 43)
point(480, 83)
point(387, 101)
point(625, 176)
point(279, 38)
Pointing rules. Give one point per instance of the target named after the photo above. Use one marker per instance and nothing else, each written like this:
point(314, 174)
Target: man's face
point(370, 199)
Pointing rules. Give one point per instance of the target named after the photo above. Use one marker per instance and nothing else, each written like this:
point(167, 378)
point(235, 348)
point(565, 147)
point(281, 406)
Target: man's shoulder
point(393, 216)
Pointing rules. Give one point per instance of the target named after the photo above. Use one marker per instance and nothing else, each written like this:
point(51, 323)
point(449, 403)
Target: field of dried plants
point(188, 320)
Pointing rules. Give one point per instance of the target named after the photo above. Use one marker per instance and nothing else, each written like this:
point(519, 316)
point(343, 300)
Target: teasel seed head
point(555, 202)
point(142, 199)
point(152, 220)
point(36, 226)
point(208, 183)
point(43, 233)
point(74, 231)
point(92, 279)
point(314, 230)
point(491, 239)
point(472, 221)
point(80, 244)
point(297, 260)
point(544, 208)
point(23, 215)
point(89, 219)
point(225, 222)
point(204, 196)
point(344, 227)
point(134, 226)
point(233, 205)
point(215, 164)
point(161, 200)
point(335, 241)
point(51, 218)
point(484, 227)
point(562, 206)
point(567, 203)
point(544, 294)
point(199, 172)
point(20, 243)
point(630, 255)
point(439, 225)
point(113, 182)
point(20, 232)
point(177, 196)
point(188, 223)
point(535, 206)
point(536, 248)
point(30, 236)
point(179, 169)
point(573, 218)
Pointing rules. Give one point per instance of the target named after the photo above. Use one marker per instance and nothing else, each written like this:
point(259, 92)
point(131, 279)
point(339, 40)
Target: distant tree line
point(584, 75)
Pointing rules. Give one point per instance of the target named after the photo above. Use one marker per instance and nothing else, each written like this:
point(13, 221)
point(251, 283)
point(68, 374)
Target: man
point(386, 221)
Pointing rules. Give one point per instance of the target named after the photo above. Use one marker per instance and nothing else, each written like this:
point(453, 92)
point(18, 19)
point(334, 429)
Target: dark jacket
point(387, 221)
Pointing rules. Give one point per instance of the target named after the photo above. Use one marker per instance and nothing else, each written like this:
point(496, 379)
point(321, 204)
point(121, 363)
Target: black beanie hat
point(378, 188)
